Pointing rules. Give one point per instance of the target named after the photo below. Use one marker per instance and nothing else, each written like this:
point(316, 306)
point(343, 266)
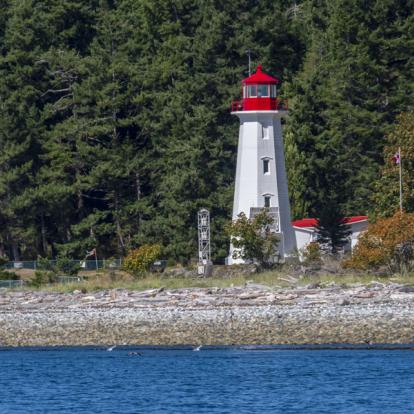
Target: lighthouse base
point(279, 256)
point(286, 246)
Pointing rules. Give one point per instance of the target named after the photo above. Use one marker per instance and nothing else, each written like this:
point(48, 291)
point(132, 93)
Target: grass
point(103, 281)
point(150, 282)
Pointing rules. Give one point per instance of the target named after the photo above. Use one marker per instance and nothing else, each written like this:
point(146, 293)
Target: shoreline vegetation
point(271, 279)
point(271, 308)
point(222, 277)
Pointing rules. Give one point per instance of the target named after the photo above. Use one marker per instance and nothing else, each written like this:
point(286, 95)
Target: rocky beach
point(253, 314)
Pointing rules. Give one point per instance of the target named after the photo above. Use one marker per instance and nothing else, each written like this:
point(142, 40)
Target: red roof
point(260, 78)
point(311, 222)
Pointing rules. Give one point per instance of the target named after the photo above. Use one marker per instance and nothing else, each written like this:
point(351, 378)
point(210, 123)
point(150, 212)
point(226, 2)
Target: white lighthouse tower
point(261, 174)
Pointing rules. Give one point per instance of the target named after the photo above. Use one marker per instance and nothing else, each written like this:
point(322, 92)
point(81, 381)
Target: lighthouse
point(261, 180)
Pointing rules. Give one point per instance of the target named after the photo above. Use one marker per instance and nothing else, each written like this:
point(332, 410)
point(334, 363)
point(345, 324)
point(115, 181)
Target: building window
point(262, 91)
point(273, 91)
point(267, 201)
point(252, 91)
point(266, 166)
point(265, 132)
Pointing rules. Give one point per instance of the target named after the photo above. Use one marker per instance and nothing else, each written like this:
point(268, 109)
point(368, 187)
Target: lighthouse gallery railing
point(275, 105)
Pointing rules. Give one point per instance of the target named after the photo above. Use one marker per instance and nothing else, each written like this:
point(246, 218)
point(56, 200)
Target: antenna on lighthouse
point(249, 52)
point(204, 250)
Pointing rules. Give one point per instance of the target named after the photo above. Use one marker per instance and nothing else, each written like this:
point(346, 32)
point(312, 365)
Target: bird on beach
point(197, 348)
point(111, 348)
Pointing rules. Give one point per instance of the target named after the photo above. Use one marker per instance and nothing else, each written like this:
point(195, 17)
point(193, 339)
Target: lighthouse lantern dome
point(260, 93)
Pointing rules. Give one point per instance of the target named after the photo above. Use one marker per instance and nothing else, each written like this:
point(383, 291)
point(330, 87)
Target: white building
point(305, 231)
point(261, 174)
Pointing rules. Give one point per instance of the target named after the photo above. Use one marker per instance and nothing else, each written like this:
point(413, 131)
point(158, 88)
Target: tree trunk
point(2, 250)
point(138, 190)
point(121, 243)
point(138, 186)
point(15, 251)
point(43, 233)
point(80, 203)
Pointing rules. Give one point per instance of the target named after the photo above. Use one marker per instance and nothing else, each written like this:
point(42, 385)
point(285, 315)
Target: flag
point(91, 253)
point(397, 158)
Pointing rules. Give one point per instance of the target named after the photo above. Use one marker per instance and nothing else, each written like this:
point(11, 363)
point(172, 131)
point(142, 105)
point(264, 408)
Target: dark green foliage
point(253, 239)
point(62, 266)
point(3, 260)
point(331, 228)
point(115, 126)
point(5, 275)
point(41, 278)
point(67, 266)
point(357, 76)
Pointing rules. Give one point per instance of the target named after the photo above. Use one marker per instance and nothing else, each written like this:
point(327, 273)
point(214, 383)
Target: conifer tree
point(30, 29)
point(57, 194)
point(359, 96)
point(21, 79)
point(331, 228)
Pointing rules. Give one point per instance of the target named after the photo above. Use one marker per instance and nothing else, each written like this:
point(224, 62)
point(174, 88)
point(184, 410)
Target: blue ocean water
point(214, 381)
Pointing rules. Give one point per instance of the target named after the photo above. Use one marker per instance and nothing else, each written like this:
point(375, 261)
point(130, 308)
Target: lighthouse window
point(273, 91)
point(252, 90)
point(267, 201)
point(262, 91)
point(266, 167)
point(265, 132)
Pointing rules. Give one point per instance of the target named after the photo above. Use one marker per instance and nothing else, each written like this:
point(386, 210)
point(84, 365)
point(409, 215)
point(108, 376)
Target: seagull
point(111, 348)
point(198, 348)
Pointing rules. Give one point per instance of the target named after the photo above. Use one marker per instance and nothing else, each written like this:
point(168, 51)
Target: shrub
point(5, 275)
point(67, 266)
point(3, 260)
point(47, 271)
point(139, 261)
point(254, 238)
point(64, 265)
point(387, 242)
point(43, 263)
point(40, 278)
point(311, 253)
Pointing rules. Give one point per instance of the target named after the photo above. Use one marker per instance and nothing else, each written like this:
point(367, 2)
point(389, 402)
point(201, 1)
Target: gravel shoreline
point(255, 314)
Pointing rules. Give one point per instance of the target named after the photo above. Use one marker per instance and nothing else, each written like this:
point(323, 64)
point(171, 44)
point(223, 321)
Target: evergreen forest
point(115, 124)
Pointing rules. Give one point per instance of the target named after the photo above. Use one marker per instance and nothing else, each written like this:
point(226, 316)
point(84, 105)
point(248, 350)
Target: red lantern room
point(260, 94)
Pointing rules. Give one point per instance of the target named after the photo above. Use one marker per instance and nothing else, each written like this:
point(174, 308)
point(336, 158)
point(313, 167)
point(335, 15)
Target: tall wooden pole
point(400, 165)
